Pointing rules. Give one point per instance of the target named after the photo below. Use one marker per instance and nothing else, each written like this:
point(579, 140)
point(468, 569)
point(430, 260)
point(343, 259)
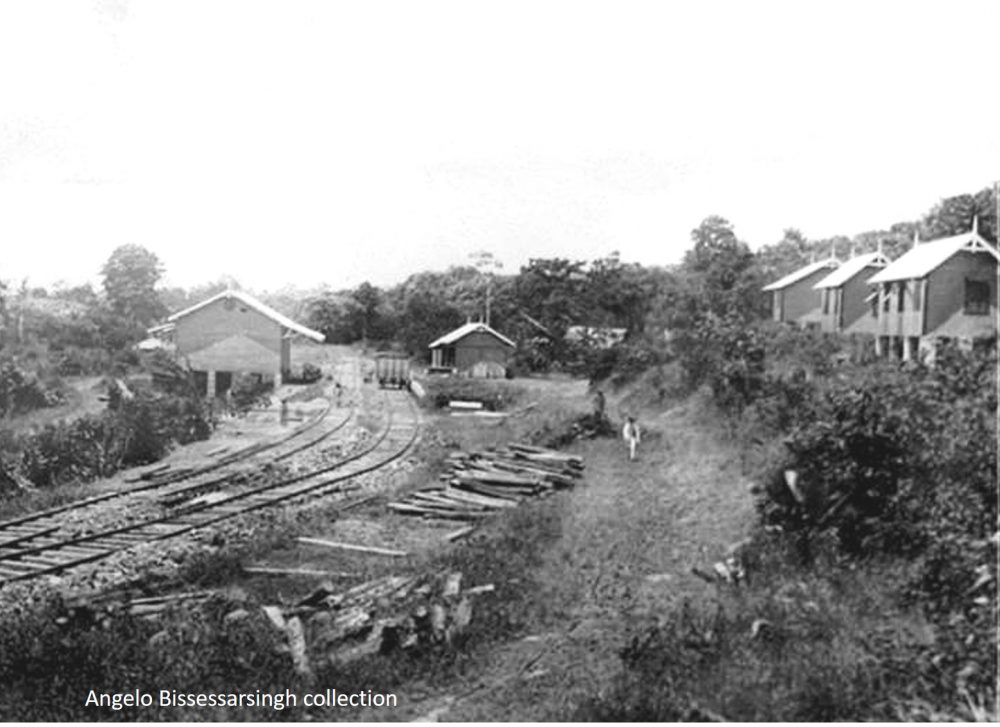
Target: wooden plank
point(354, 548)
point(458, 534)
point(486, 500)
point(306, 572)
point(471, 405)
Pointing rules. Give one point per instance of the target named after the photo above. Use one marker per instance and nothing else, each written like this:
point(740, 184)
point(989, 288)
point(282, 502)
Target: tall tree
point(722, 269)
point(551, 291)
point(130, 277)
point(366, 299)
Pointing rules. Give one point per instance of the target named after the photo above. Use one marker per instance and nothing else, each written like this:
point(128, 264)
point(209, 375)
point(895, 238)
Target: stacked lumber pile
point(480, 483)
point(384, 615)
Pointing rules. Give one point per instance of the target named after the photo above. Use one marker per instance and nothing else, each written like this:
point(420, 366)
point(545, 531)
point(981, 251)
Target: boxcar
point(392, 369)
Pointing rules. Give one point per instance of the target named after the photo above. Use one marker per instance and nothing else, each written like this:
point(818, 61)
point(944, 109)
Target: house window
point(886, 290)
point(900, 296)
point(826, 301)
point(977, 297)
point(917, 289)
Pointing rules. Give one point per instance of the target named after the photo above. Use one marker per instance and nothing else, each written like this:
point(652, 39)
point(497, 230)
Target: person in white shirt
point(631, 435)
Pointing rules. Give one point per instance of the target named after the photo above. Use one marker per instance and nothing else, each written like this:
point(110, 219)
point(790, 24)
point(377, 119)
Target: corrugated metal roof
point(266, 310)
point(801, 273)
point(851, 268)
point(465, 330)
point(926, 257)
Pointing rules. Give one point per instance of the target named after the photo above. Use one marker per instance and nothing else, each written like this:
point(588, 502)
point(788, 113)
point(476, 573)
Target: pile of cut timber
point(380, 616)
point(480, 483)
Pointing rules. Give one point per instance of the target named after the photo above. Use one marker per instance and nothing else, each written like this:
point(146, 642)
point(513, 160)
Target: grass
point(827, 644)
point(48, 664)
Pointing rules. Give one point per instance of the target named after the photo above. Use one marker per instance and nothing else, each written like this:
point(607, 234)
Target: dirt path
point(630, 535)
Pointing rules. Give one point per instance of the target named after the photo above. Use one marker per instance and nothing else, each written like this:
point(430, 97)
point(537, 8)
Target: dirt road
point(630, 534)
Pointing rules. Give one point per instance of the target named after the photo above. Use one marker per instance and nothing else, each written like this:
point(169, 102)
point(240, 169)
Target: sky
point(290, 142)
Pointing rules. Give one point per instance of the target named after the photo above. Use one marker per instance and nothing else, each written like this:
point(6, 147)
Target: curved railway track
point(49, 553)
point(21, 531)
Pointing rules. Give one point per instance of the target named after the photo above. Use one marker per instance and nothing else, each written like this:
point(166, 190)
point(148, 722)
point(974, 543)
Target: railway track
point(21, 527)
point(43, 551)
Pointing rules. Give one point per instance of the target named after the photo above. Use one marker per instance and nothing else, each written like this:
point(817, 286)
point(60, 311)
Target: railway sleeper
point(113, 544)
point(18, 566)
point(20, 531)
point(29, 563)
point(80, 551)
point(49, 560)
point(23, 541)
point(7, 574)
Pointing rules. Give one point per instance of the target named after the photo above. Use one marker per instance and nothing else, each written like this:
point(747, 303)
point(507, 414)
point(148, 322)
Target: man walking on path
point(630, 433)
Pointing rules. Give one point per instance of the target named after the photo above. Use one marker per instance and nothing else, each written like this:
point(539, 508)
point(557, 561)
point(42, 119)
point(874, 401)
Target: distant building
point(474, 349)
point(939, 291)
point(233, 333)
point(845, 306)
point(794, 298)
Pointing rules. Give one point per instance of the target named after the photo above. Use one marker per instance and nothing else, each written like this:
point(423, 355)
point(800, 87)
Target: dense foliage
point(22, 392)
point(135, 430)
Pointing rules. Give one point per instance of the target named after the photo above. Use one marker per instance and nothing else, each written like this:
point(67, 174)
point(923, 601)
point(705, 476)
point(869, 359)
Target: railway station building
point(942, 291)
point(233, 333)
point(474, 350)
point(794, 298)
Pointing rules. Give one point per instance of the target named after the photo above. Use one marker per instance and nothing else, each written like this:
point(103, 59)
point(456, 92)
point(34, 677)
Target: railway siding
point(33, 547)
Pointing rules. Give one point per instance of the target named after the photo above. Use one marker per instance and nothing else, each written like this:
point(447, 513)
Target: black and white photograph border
point(499, 361)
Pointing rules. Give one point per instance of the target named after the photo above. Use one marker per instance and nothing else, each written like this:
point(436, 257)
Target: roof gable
point(926, 257)
point(261, 308)
point(851, 268)
point(801, 274)
point(464, 330)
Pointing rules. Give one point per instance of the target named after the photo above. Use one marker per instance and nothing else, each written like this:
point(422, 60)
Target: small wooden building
point(233, 333)
point(474, 349)
point(794, 298)
point(939, 291)
point(845, 306)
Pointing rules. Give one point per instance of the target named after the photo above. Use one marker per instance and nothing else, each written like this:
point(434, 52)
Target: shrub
point(131, 432)
point(21, 392)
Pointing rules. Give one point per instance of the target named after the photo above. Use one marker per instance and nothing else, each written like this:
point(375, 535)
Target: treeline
point(718, 283)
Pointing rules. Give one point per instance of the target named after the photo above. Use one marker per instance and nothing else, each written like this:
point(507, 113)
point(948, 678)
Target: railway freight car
point(392, 370)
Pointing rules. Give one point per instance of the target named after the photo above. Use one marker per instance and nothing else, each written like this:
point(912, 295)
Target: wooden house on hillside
point(845, 304)
point(473, 349)
point(939, 291)
point(233, 333)
point(794, 298)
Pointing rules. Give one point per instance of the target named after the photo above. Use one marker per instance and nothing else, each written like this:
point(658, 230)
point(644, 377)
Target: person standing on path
point(631, 435)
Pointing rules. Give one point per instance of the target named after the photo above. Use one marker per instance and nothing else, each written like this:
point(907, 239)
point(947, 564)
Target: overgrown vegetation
point(878, 482)
point(21, 392)
point(136, 429)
